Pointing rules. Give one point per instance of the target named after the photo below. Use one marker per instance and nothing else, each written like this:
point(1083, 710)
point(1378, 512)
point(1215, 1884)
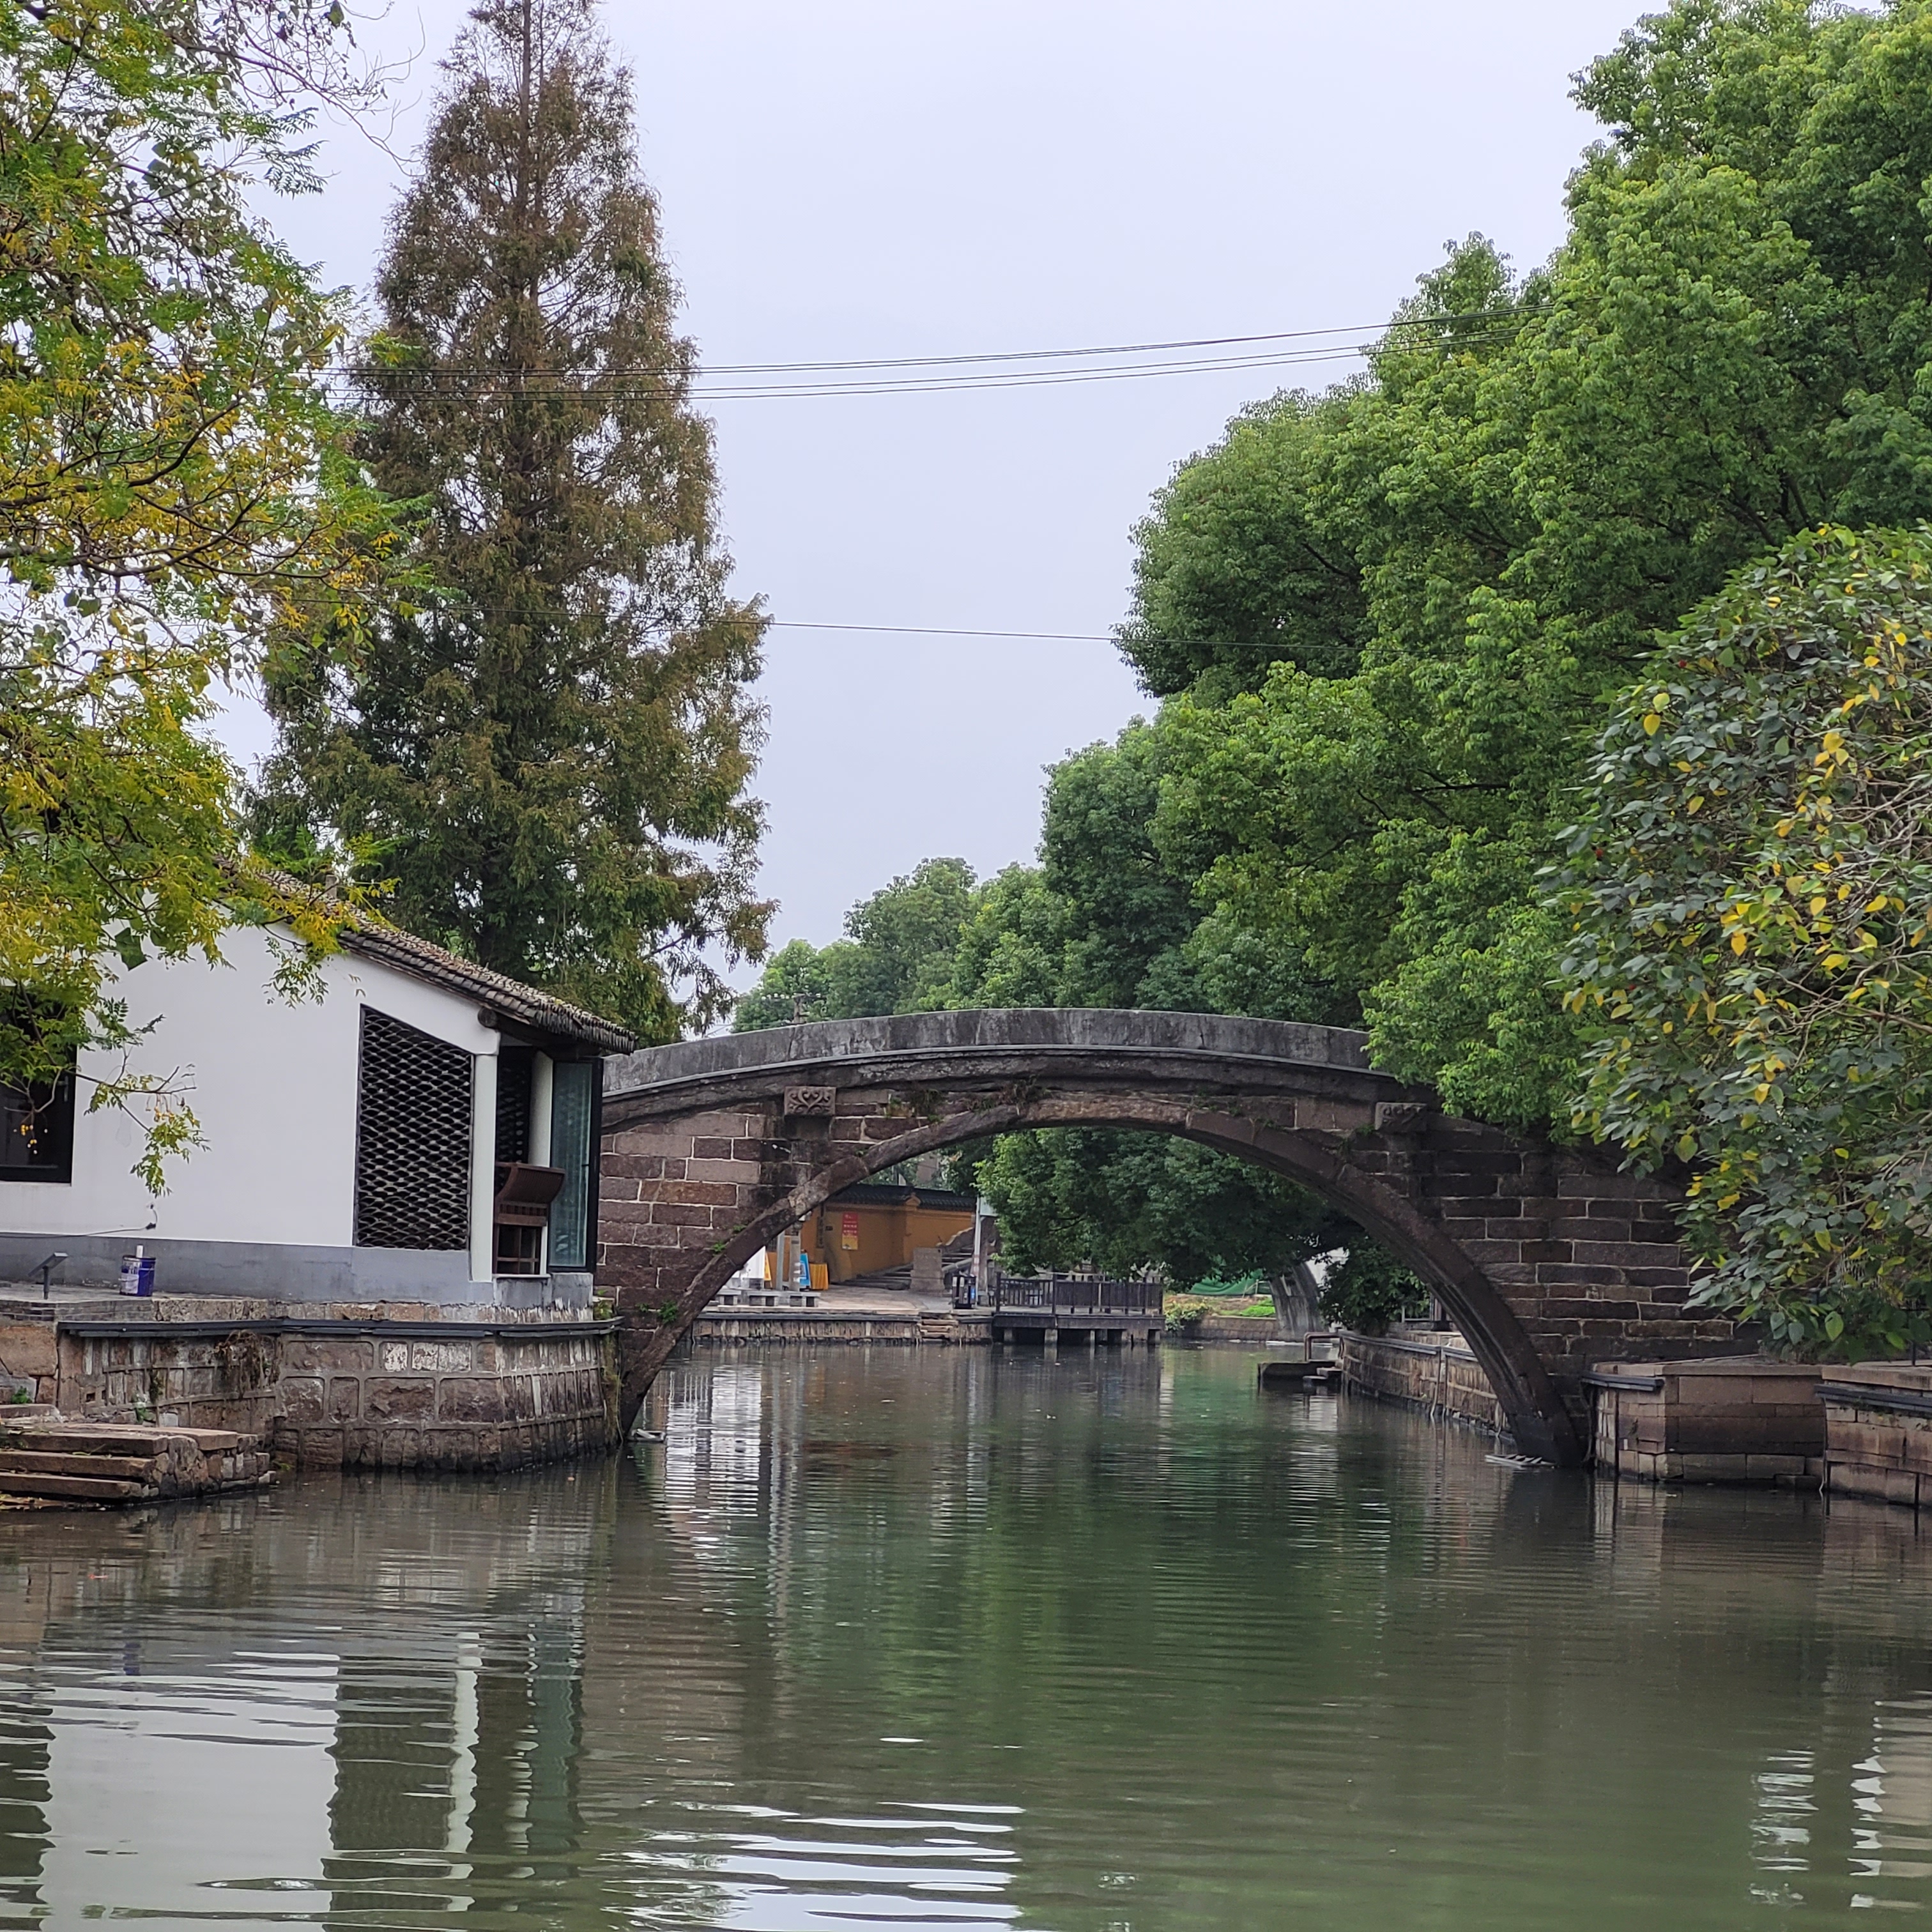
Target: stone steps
point(76, 1488)
point(46, 1462)
point(98, 1463)
point(117, 1438)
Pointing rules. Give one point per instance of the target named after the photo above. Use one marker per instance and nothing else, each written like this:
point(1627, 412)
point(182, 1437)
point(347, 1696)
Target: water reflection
point(952, 1637)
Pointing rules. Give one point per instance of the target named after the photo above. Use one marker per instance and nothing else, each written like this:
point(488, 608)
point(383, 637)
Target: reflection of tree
point(26, 1733)
point(1114, 1593)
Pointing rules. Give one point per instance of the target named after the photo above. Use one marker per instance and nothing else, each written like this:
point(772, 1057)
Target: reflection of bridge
point(1548, 1258)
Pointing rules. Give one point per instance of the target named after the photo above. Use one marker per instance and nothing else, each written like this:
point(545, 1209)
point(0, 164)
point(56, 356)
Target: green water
point(964, 1638)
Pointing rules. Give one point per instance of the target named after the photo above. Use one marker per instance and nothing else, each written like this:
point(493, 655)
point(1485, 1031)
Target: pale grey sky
point(861, 178)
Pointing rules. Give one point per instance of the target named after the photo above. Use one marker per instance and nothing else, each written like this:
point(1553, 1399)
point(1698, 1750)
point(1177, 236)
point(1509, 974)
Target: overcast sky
point(859, 178)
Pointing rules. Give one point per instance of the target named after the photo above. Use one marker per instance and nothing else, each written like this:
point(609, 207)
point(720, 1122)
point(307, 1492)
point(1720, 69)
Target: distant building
point(876, 1226)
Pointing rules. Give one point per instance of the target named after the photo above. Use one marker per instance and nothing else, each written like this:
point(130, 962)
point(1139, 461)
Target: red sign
point(848, 1230)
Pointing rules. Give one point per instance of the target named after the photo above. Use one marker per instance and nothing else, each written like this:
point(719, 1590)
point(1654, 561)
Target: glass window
point(573, 1107)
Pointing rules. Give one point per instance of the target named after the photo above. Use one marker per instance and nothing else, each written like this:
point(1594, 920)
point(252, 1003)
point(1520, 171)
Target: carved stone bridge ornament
point(1548, 1258)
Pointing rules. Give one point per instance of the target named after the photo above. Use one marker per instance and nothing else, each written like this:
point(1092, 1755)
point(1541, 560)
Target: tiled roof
point(389, 945)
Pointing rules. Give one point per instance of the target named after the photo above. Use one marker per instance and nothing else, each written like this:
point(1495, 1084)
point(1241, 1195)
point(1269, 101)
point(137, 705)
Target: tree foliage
point(1125, 1202)
point(1540, 476)
point(1369, 1288)
point(897, 955)
point(1387, 624)
point(173, 489)
point(1099, 922)
point(1750, 905)
point(549, 751)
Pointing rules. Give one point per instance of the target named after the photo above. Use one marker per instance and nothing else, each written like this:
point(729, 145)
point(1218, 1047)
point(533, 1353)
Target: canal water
point(966, 1638)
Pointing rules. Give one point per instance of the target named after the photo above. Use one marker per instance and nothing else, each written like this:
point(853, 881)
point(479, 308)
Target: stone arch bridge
point(1548, 1258)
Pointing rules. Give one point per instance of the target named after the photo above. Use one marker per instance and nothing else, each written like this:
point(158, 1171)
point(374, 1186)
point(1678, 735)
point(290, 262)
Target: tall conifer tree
point(549, 752)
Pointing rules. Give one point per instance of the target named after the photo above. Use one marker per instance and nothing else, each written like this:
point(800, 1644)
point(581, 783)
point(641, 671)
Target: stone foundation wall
point(354, 1385)
point(29, 1357)
point(490, 1401)
point(201, 1381)
point(733, 1330)
point(1878, 1432)
point(1725, 1419)
point(1249, 1330)
point(1436, 1372)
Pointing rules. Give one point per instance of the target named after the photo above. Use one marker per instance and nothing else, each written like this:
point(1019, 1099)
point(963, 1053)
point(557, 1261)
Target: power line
point(1042, 636)
point(958, 376)
point(1022, 355)
point(946, 631)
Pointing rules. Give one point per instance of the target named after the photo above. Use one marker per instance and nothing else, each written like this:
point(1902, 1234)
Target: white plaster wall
point(273, 1085)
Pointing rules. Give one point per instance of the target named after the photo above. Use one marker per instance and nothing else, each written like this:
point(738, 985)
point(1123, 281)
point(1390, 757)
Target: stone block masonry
point(493, 1401)
point(1549, 1259)
point(351, 1386)
point(1733, 1419)
point(1878, 1431)
point(1436, 1372)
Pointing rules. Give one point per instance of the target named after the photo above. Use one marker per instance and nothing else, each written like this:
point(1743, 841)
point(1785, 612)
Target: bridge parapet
point(1550, 1259)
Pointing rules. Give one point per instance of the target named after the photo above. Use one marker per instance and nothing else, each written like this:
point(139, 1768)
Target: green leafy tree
point(1538, 479)
point(550, 751)
point(174, 490)
point(1104, 921)
point(1127, 1202)
point(795, 986)
point(903, 940)
point(1369, 1288)
point(898, 955)
point(1233, 570)
point(1749, 905)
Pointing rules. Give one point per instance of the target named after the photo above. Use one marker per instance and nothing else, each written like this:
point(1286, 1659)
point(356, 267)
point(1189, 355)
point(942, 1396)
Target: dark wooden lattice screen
point(412, 1129)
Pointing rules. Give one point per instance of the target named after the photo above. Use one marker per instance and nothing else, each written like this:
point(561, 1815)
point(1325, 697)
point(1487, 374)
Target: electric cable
point(863, 377)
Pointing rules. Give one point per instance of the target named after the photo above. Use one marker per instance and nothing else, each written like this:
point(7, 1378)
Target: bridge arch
point(1548, 1258)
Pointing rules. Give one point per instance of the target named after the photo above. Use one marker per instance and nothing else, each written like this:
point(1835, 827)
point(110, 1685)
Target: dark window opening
point(515, 1067)
point(413, 1137)
point(36, 1129)
point(519, 1249)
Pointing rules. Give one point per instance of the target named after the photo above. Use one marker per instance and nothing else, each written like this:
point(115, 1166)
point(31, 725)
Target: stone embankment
point(1878, 1431)
point(1428, 1368)
point(1861, 1429)
point(347, 1385)
point(1723, 1419)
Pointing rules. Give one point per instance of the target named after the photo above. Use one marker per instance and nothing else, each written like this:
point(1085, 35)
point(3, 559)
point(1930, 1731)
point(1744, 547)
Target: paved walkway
point(855, 1298)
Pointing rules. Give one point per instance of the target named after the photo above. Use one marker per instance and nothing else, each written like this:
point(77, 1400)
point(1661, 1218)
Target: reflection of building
point(873, 1227)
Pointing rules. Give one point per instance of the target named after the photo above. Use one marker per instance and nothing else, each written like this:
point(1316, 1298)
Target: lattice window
point(412, 1130)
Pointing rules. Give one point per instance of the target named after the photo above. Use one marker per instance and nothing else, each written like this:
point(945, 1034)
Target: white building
point(426, 1132)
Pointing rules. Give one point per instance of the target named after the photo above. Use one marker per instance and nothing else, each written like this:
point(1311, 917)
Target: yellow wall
point(886, 1236)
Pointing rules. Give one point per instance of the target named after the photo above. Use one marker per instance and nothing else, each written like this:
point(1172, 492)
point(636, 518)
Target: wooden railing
point(1061, 1294)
